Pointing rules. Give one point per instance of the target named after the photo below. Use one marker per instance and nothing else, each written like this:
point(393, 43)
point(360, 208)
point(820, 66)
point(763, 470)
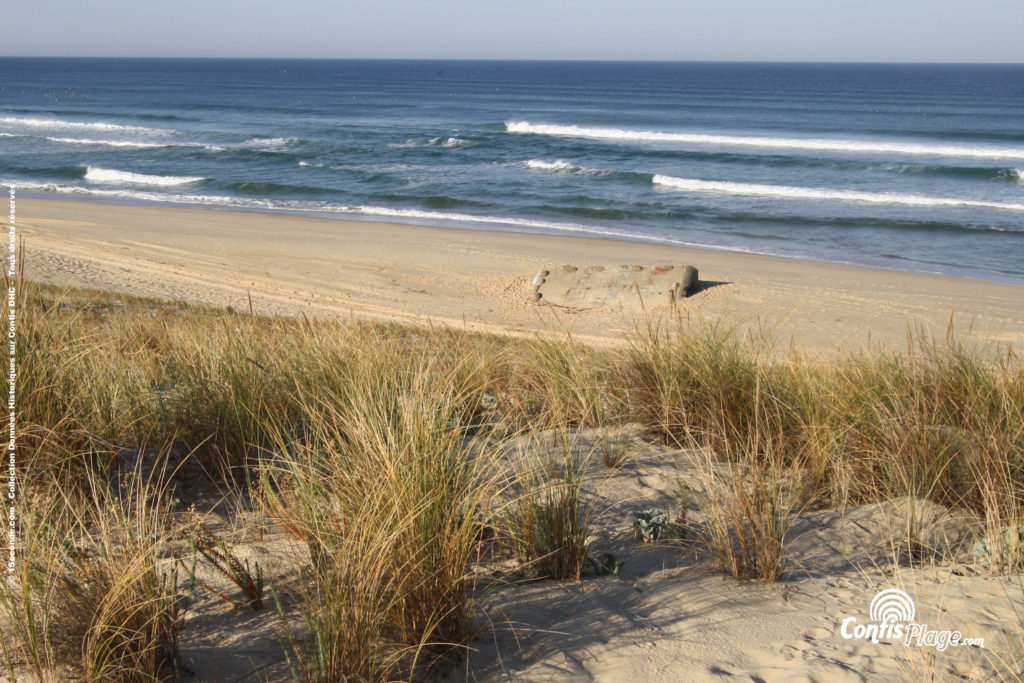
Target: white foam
point(557, 165)
point(441, 141)
point(562, 166)
point(74, 125)
point(788, 192)
point(149, 196)
point(808, 144)
point(113, 176)
point(133, 143)
point(108, 143)
point(327, 166)
point(449, 142)
point(267, 142)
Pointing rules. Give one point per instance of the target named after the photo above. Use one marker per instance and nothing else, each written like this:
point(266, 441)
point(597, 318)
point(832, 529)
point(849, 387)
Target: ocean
point(906, 167)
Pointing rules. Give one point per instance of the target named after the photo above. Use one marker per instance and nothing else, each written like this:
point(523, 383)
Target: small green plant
point(1004, 551)
point(609, 565)
point(653, 525)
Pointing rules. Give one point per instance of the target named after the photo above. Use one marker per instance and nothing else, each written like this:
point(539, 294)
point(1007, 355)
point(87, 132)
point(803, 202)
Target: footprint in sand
point(818, 633)
point(844, 595)
point(800, 645)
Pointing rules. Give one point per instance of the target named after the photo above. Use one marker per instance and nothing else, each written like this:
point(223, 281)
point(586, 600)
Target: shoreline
point(479, 278)
point(481, 225)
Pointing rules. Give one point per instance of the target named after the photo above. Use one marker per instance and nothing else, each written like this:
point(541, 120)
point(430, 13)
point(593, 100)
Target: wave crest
point(557, 165)
point(790, 192)
point(31, 122)
point(108, 143)
point(805, 144)
point(453, 141)
point(115, 177)
point(272, 144)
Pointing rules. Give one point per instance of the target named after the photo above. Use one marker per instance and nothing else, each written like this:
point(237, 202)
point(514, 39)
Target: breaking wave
point(805, 144)
point(113, 176)
point(816, 193)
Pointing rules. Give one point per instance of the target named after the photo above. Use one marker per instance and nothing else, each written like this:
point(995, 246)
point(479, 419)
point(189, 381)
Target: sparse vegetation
point(548, 518)
point(653, 525)
point(216, 552)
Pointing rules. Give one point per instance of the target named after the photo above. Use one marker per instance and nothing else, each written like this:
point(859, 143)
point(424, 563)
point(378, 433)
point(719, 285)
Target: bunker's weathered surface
point(614, 286)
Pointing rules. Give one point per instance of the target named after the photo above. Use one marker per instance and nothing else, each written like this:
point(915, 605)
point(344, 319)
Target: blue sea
point(907, 167)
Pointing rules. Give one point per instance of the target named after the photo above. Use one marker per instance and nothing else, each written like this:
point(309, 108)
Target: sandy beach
point(481, 279)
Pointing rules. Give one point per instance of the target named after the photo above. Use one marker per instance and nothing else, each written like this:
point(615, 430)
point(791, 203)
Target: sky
point(704, 30)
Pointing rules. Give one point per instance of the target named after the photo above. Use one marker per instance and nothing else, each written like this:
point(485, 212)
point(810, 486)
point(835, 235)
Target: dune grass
point(380, 487)
point(92, 598)
point(548, 510)
point(378, 447)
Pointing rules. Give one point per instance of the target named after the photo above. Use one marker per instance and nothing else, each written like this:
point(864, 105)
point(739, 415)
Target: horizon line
point(523, 59)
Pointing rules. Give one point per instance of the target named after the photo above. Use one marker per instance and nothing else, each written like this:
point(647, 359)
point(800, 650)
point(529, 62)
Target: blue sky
point(755, 30)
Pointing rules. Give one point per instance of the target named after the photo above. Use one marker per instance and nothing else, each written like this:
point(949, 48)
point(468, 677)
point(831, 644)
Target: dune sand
point(667, 617)
point(481, 279)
